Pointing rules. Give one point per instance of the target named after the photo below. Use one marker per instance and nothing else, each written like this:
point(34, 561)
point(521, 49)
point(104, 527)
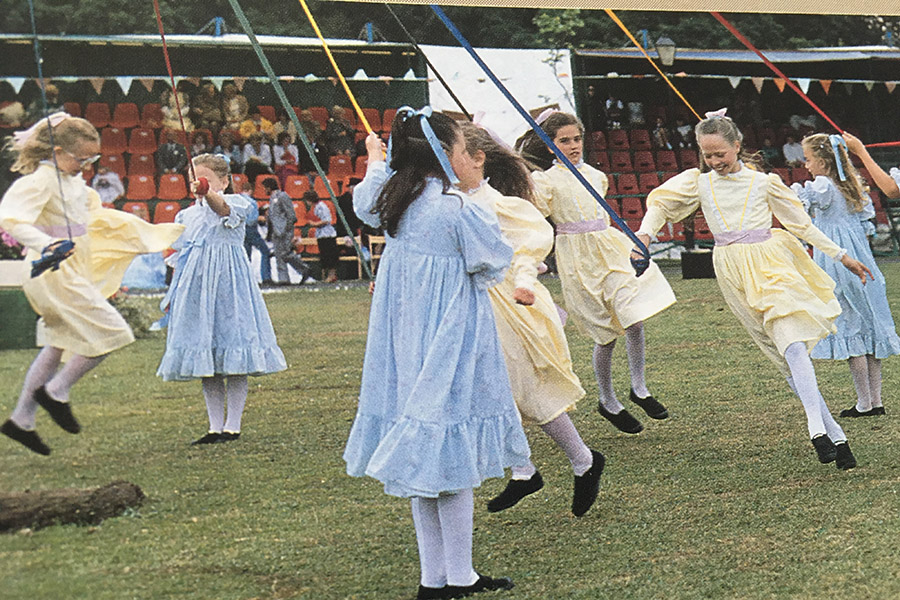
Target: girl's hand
point(857, 268)
point(854, 144)
point(371, 287)
point(636, 251)
point(523, 296)
point(375, 147)
point(200, 187)
point(52, 248)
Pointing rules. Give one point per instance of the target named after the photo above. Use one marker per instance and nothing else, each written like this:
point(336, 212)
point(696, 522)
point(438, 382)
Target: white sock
point(40, 372)
point(430, 542)
point(456, 514)
point(805, 386)
point(603, 373)
point(832, 429)
point(634, 345)
point(524, 473)
point(237, 397)
point(562, 431)
point(214, 394)
point(74, 369)
point(859, 369)
point(874, 380)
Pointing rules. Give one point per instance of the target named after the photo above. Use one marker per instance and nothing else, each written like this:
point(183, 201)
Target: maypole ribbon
point(337, 69)
point(640, 265)
point(285, 103)
point(634, 41)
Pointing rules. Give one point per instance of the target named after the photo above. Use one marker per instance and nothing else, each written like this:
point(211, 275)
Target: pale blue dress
point(436, 413)
point(865, 325)
point(218, 323)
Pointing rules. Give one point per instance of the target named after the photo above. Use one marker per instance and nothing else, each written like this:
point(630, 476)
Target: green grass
point(723, 500)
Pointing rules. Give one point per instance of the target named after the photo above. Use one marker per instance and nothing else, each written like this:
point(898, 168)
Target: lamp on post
point(665, 50)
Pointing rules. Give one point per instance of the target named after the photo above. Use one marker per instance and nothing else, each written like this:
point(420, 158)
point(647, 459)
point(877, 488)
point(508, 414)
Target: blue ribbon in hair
point(836, 142)
point(406, 113)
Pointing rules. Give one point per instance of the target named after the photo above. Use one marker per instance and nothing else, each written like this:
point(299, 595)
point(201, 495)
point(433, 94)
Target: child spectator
point(286, 157)
point(326, 236)
point(792, 152)
point(108, 185)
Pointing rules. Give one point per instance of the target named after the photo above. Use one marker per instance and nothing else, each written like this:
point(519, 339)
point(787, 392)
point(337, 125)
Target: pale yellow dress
point(600, 290)
point(773, 287)
point(534, 345)
point(72, 300)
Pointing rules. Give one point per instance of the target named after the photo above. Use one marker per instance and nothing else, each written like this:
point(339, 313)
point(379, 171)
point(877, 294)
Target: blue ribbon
point(406, 113)
point(165, 304)
point(836, 142)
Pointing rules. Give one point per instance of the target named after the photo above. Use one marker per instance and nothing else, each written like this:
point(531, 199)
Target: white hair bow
point(717, 113)
point(21, 137)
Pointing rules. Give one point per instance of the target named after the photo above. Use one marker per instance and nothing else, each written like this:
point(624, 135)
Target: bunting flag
point(758, 82)
point(804, 82)
point(97, 83)
point(218, 82)
point(779, 83)
point(16, 83)
point(360, 74)
point(890, 85)
point(826, 85)
point(147, 83)
point(869, 85)
point(124, 83)
point(734, 81)
point(849, 88)
point(239, 83)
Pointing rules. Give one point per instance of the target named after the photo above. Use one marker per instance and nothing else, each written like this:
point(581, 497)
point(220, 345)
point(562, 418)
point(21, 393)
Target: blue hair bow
point(836, 142)
point(407, 112)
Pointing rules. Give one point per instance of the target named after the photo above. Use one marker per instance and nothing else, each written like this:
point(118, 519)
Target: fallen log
point(37, 509)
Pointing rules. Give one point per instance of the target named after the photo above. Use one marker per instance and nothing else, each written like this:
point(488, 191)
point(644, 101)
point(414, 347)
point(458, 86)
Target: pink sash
point(60, 231)
point(581, 227)
point(747, 236)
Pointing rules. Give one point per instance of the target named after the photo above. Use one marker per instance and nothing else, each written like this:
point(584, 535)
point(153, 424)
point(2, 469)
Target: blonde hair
point(68, 134)
point(725, 127)
point(215, 163)
point(852, 188)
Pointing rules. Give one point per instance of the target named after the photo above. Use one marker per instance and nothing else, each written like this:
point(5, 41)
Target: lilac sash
point(747, 236)
point(581, 227)
point(60, 231)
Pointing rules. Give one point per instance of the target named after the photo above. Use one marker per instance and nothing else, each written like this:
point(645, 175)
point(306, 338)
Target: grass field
point(723, 500)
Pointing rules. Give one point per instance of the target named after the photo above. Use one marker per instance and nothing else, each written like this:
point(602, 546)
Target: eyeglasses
point(84, 162)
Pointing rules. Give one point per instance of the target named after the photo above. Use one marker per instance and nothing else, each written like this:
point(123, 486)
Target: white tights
point(866, 371)
point(634, 345)
point(803, 383)
point(562, 431)
point(444, 536)
point(214, 393)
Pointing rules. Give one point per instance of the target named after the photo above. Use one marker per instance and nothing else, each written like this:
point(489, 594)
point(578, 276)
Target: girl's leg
point(634, 344)
point(40, 372)
point(456, 517)
point(562, 431)
point(603, 372)
point(237, 397)
point(430, 541)
point(77, 367)
point(874, 380)
point(525, 480)
point(859, 369)
point(214, 394)
point(804, 384)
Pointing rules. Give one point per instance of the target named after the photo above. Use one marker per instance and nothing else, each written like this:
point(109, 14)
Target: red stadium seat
point(362, 164)
point(668, 175)
point(799, 175)
point(320, 114)
point(321, 190)
point(172, 187)
point(665, 160)
point(611, 187)
point(648, 182)
point(620, 162)
point(340, 165)
point(627, 184)
point(643, 161)
point(296, 185)
point(688, 158)
point(701, 229)
point(180, 137)
point(632, 208)
point(784, 173)
point(137, 208)
point(387, 119)
point(300, 212)
point(151, 116)
point(639, 139)
point(267, 112)
point(373, 117)
point(142, 141)
point(259, 192)
point(141, 187)
point(72, 108)
point(598, 140)
point(141, 164)
point(126, 116)
point(98, 114)
point(617, 139)
point(165, 212)
point(114, 163)
point(112, 141)
point(599, 159)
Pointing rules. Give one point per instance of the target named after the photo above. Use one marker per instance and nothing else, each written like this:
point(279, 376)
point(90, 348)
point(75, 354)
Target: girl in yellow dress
point(49, 204)
point(601, 292)
point(784, 300)
point(531, 333)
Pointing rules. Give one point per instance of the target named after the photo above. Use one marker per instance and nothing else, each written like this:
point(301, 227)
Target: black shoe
point(852, 412)
point(484, 584)
point(228, 436)
point(844, 458)
point(878, 410)
point(587, 486)
point(60, 412)
point(209, 438)
point(515, 490)
point(824, 448)
point(623, 420)
point(430, 593)
point(29, 439)
point(651, 406)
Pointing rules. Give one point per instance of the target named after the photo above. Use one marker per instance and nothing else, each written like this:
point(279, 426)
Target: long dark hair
point(534, 150)
point(414, 162)
point(508, 172)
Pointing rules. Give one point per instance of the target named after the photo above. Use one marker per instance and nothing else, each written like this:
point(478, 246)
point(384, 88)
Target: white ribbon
point(21, 137)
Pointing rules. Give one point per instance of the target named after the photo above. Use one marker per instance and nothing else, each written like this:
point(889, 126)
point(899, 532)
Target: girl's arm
point(485, 253)
point(366, 193)
point(531, 238)
point(885, 182)
point(21, 206)
point(215, 200)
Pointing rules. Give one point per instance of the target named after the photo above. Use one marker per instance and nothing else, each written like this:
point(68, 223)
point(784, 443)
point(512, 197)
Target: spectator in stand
point(36, 108)
point(256, 123)
point(596, 110)
point(770, 154)
point(12, 115)
point(636, 114)
point(206, 109)
point(793, 152)
point(615, 113)
point(230, 150)
point(171, 157)
point(257, 157)
point(286, 157)
point(661, 139)
point(284, 124)
point(281, 217)
point(108, 185)
point(326, 236)
point(169, 109)
point(201, 144)
point(683, 135)
point(252, 238)
point(312, 129)
point(234, 107)
point(339, 136)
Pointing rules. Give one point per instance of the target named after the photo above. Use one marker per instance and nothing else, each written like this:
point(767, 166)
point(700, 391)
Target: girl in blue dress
point(842, 210)
point(219, 328)
point(436, 415)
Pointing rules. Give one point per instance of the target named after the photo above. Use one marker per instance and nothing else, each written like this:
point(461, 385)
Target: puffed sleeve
point(895, 174)
point(366, 193)
point(814, 194)
point(21, 206)
point(530, 236)
point(788, 209)
point(240, 208)
point(543, 192)
point(673, 201)
point(866, 215)
point(485, 253)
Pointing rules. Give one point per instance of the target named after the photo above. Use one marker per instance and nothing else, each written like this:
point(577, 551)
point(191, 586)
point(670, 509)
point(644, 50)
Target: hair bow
point(720, 114)
point(545, 115)
point(836, 142)
point(21, 137)
point(406, 113)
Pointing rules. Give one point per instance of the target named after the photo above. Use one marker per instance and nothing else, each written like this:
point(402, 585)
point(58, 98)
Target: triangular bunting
point(758, 83)
point(97, 83)
point(734, 81)
point(194, 80)
point(826, 85)
point(890, 85)
point(147, 83)
point(869, 85)
point(360, 74)
point(239, 83)
point(16, 83)
point(409, 75)
point(780, 83)
point(804, 82)
point(218, 82)
point(124, 83)
point(849, 88)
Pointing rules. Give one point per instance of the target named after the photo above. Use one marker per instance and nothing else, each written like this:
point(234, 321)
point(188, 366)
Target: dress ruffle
point(184, 363)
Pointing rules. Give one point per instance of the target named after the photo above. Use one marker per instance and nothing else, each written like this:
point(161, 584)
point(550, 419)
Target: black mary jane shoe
point(623, 421)
point(587, 486)
point(483, 584)
point(824, 448)
point(29, 439)
point(515, 490)
point(212, 437)
point(878, 410)
point(651, 406)
point(430, 593)
point(60, 412)
point(844, 458)
point(853, 412)
point(229, 436)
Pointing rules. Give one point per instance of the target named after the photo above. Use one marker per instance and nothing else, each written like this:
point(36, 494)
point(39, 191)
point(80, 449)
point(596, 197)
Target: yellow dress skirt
point(778, 293)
